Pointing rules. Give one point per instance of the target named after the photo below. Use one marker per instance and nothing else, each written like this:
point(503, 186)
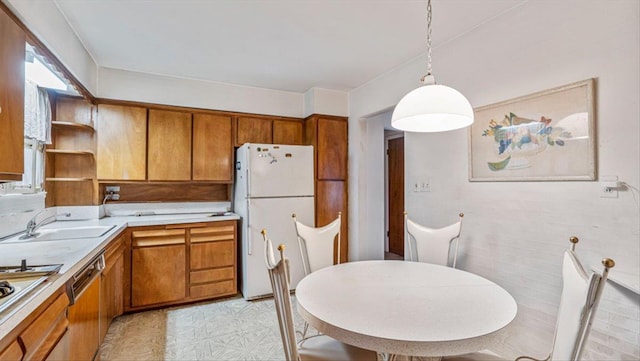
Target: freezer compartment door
point(280, 170)
point(274, 215)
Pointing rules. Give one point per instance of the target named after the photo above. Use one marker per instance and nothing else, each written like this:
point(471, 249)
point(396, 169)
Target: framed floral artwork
point(545, 136)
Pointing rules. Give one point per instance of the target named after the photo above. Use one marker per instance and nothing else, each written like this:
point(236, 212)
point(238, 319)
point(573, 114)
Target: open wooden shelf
point(70, 151)
point(60, 123)
point(68, 179)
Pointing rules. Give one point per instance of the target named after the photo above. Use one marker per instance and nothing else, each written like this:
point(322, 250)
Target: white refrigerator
point(272, 182)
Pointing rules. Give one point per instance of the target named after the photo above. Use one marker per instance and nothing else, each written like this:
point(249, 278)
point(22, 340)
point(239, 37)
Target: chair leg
point(304, 331)
point(304, 334)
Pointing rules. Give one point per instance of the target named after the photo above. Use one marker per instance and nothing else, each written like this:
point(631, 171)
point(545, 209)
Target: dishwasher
point(84, 310)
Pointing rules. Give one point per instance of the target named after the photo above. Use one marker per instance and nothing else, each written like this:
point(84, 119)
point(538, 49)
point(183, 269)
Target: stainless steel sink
point(58, 234)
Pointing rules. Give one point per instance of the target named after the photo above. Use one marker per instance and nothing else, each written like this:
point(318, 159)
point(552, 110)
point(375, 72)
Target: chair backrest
point(280, 278)
point(432, 245)
point(317, 244)
point(580, 297)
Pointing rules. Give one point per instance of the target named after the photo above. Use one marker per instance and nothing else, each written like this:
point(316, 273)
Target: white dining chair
point(433, 245)
point(317, 243)
point(581, 293)
point(317, 247)
point(316, 348)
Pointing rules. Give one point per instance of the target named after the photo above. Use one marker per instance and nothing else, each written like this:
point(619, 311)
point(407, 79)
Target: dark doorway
point(396, 195)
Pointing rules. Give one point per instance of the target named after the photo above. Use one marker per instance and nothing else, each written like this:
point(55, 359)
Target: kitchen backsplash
point(17, 209)
point(142, 209)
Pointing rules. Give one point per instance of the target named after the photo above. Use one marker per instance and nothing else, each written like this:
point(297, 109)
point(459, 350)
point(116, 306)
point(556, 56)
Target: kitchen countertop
point(74, 254)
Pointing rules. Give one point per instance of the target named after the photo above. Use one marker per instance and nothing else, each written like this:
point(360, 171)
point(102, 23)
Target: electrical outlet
point(425, 186)
point(114, 189)
point(115, 196)
point(416, 187)
point(609, 187)
point(608, 192)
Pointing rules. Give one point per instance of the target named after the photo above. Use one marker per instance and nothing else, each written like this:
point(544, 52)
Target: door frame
point(388, 135)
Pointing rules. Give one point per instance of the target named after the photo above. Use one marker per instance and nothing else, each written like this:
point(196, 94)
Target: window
point(33, 176)
point(40, 74)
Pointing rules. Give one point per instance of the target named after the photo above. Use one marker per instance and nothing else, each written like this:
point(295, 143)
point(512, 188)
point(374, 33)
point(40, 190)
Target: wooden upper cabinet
point(332, 149)
point(12, 50)
point(169, 148)
point(253, 130)
point(122, 142)
point(287, 132)
point(212, 148)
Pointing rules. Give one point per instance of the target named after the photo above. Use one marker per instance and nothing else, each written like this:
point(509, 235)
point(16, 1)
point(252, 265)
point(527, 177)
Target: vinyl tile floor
point(229, 329)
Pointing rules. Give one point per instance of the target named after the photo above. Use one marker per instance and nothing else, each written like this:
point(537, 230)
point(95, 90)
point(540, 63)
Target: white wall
point(515, 232)
point(49, 25)
point(326, 101)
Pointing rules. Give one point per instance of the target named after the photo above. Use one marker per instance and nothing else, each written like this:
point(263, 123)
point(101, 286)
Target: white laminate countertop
point(74, 254)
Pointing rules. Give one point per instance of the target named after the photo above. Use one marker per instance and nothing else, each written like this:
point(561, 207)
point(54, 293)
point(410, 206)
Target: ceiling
point(290, 45)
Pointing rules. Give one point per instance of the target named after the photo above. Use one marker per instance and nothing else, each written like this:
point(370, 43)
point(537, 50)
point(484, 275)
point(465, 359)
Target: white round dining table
point(405, 308)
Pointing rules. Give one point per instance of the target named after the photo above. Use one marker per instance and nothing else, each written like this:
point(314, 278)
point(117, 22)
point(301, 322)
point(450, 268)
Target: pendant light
point(432, 107)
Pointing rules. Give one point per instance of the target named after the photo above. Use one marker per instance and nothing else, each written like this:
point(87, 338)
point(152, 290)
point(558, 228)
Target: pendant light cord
point(428, 79)
point(429, 37)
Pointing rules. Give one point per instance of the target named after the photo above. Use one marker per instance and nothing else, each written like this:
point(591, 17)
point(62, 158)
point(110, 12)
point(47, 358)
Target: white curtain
point(37, 113)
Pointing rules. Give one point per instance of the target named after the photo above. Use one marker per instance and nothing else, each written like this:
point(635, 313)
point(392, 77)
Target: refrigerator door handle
point(248, 182)
point(248, 231)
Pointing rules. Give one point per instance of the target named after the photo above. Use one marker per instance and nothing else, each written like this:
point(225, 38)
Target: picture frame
point(544, 136)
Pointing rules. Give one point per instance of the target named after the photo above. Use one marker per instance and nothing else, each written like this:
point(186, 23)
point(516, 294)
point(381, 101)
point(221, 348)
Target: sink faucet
point(32, 226)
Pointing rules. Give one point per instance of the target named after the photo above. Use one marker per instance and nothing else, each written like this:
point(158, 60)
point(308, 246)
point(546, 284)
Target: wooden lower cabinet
point(212, 251)
point(12, 352)
point(61, 351)
point(42, 335)
point(158, 262)
point(331, 198)
point(111, 285)
point(329, 136)
point(175, 264)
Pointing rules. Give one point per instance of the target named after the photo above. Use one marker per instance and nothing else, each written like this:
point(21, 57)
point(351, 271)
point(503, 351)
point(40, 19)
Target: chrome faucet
point(32, 226)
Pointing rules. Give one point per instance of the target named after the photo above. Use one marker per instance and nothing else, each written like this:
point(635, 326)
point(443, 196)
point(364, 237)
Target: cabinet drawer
point(212, 275)
point(208, 234)
point(213, 289)
point(43, 334)
point(12, 352)
point(212, 254)
point(160, 237)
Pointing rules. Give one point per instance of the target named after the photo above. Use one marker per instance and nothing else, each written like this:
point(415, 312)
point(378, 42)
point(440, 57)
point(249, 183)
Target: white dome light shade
point(432, 108)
